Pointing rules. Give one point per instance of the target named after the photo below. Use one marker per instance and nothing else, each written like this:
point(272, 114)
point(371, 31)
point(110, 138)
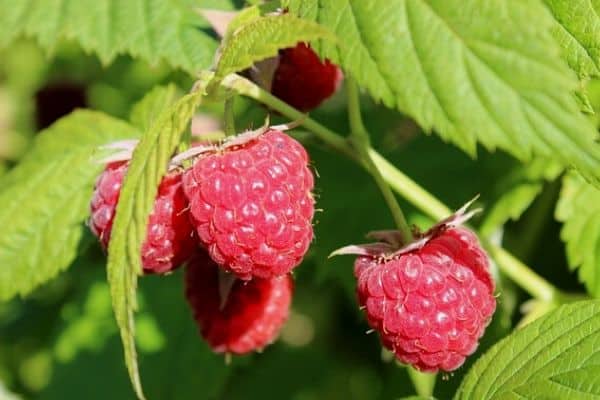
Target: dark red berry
point(170, 239)
point(250, 317)
point(302, 79)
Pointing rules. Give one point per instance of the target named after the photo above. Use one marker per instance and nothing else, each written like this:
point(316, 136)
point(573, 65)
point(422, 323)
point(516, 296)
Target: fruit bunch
point(241, 217)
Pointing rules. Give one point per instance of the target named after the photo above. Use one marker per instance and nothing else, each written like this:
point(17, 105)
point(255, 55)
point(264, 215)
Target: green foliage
point(147, 167)
point(261, 38)
point(477, 72)
point(154, 30)
point(579, 209)
point(89, 339)
point(577, 29)
point(146, 110)
point(555, 357)
point(45, 199)
point(516, 191)
point(473, 71)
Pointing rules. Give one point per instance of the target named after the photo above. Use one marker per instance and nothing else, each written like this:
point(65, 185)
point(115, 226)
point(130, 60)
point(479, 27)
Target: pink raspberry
point(252, 206)
point(430, 305)
point(251, 316)
point(302, 79)
point(170, 237)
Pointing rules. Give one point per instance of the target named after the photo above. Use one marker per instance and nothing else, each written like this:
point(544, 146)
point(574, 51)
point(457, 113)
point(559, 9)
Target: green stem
point(409, 189)
point(363, 145)
point(520, 273)
point(244, 87)
point(229, 117)
point(424, 383)
point(524, 276)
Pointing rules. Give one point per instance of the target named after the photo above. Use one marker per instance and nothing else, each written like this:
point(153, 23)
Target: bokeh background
point(61, 342)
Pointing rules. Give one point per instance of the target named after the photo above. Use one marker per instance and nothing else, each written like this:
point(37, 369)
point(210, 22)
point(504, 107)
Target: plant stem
point(229, 117)
point(409, 189)
point(524, 276)
point(245, 87)
point(520, 273)
point(362, 143)
point(424, 383)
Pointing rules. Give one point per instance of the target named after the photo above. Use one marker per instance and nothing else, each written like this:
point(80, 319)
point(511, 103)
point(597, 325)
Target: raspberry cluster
point(241, 217)
point(431, 305)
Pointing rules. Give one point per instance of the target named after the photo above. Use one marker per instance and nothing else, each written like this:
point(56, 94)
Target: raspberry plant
point(246, 145)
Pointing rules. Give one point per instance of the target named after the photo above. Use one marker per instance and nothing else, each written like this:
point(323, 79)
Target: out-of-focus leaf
point(516, 191)
point(154, 30)
point(579, 209)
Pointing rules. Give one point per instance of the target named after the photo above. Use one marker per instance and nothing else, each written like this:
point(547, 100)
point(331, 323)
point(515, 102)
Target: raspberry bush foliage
point(270, 199)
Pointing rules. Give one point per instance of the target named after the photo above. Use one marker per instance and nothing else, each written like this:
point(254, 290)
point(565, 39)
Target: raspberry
point(252, 204)
point(249, 319)
point(302, 79)
point(170, 237)
point(430, 305)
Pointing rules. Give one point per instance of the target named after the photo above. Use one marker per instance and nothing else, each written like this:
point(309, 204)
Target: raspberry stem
point(520, 273)
point(362, 143)
point(423, 382)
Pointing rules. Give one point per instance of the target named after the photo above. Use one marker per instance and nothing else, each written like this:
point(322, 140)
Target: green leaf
point(577, 29)
point(145, 111)
point(579, 209)
point(473, 71)
point(516, 191)
point(554, 357)
point(261, 38)
point(45, 199)
point(154, 30)
point(147, 167)
point(417, 398)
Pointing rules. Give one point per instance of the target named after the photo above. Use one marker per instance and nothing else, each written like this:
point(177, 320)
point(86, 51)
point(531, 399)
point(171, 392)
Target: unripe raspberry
point(170, 239)
point(430, 305)
point(250, 317)
point(302, 79)
point(252, 206)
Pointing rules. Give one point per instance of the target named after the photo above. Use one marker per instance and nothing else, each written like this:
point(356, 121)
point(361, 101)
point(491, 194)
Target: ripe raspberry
point(170, 237)
point(252, 205)
point(250, 318)
point(302, 79)
point(430, 305)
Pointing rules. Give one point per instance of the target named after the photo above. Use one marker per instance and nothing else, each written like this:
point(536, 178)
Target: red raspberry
point(430, 305)
point(252, 205)
point(170, 237)
point(302, 79)
point(250, 318)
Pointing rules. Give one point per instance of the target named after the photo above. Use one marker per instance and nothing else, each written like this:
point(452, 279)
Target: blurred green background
point(62, 342)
